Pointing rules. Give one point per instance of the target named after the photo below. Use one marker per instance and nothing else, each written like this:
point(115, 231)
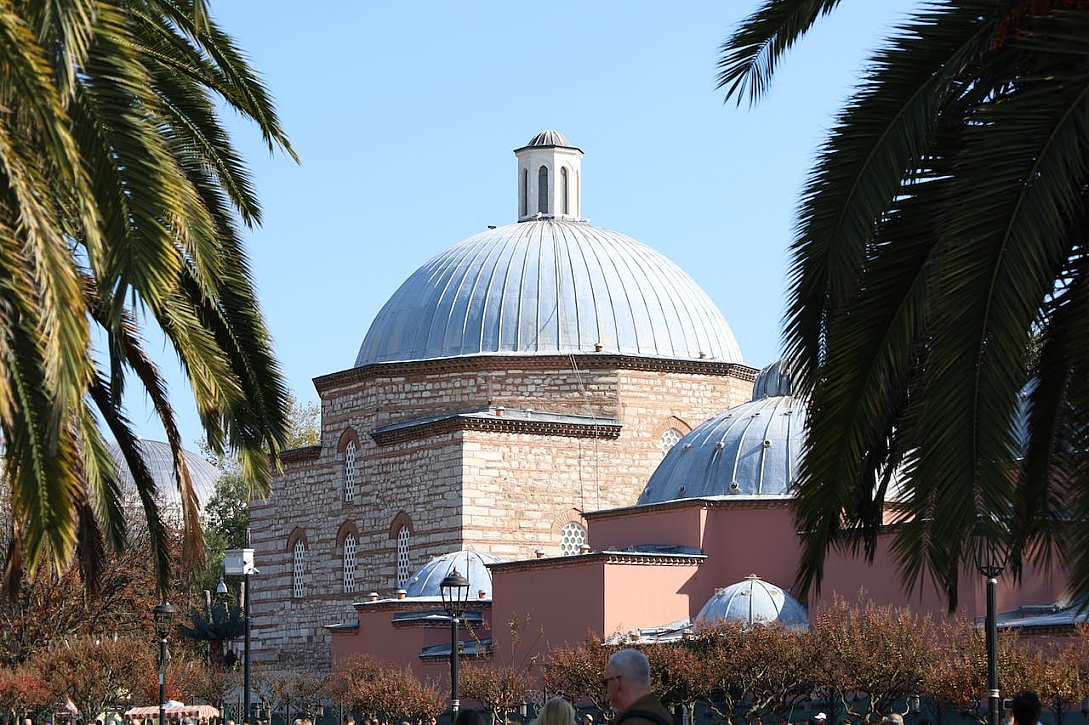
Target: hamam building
point(516, 382)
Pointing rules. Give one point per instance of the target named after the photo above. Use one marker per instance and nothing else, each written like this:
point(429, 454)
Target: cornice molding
point(583, 362)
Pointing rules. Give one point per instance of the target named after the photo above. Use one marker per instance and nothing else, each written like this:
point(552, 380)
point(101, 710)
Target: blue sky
point(405, 116)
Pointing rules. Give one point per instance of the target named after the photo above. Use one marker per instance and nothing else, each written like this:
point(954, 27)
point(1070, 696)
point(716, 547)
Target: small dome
point(548, 287)
point(159, 460)
point(549, 138)
point(470, 564)
point(751, 449)
point(773, 381)
point(753, 601)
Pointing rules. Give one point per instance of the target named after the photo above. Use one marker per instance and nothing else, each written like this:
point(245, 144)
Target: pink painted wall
point(401, 644)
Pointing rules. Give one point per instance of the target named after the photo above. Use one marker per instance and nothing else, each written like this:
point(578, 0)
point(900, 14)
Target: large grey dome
point(159, 460)
point(547, 287)
point(751, 449)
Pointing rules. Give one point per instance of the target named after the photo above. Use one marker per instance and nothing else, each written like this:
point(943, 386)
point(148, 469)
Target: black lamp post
point(163, 612)
point(990, 561)
point(454, 589)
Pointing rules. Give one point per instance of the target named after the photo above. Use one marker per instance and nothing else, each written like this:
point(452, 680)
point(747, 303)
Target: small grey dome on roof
point(549, 138)
point(753, 601)
point(751, 449)
point(470, 564)
point(548, 287)
point(773, 381)
point(159, 460)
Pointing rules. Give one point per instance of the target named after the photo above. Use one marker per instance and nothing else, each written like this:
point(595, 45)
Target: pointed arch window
point(298, 570)
point(349, 563)
point(542, 190)
point(670, 439)
point(565, 190)
point(350, 474)
point(403, 541)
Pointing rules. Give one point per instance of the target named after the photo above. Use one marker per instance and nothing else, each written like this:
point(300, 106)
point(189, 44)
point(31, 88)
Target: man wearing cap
point(627, 682)
point(820, 719)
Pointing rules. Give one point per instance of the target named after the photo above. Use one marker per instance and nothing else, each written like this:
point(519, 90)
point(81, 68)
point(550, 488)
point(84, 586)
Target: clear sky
point(405, 116)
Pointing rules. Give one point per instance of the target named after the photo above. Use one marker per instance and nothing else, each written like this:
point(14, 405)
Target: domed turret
point(753, 601)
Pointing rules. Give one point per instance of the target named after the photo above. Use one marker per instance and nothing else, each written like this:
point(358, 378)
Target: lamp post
point(990, 561)
point(454, 589)
point(240, 562)
point(163, 612)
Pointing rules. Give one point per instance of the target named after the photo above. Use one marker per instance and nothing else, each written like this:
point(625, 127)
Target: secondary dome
point(751, 449)
point(470, 564)
point(753, 601)
point(159, 460)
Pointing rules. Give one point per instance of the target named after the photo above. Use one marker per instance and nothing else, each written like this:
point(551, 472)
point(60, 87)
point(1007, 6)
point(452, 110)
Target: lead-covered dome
point(546, 287)
point(752, 449)
point(753, 601)
point(473, 565)
point(159, 459)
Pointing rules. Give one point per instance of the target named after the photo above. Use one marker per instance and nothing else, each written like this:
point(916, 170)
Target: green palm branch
point(122, 198)
point(938, 267)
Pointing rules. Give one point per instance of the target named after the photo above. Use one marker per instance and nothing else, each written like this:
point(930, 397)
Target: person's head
point(587, 719)
point(627, 678)
point(556, 711)
point(895, 719)
point(349, 719)
point(469, 716)
point(1026, 708)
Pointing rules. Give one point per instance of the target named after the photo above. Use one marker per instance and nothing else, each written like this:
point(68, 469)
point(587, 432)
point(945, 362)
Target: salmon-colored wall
point(613, 592)
point(679, 526)
point(645, 595)
point(564, 597)
point(401, 645)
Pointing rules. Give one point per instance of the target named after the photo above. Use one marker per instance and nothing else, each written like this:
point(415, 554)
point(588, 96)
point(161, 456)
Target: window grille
point(572, 537)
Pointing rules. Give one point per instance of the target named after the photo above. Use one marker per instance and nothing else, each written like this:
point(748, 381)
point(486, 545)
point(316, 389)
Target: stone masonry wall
point(500, 492)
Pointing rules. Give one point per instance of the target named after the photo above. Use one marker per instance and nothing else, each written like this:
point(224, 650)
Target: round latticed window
point(572, 537)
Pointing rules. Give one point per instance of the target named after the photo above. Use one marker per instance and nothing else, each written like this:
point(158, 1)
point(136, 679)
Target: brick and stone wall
point(500, 490)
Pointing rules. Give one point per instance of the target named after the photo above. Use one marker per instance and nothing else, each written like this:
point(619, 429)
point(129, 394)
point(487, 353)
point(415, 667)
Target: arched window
point(565, 190)
point(669, 439)
point(542, 190)
point(350, 475)
point(572, 537)
point(298, 563)
point(523, 197)
point(349, 563)
point(403, 539)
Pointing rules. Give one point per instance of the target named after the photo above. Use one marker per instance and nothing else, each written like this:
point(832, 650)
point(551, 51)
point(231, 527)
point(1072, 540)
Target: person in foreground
point(1026, 708)
point(627, 682)
point(557, 711)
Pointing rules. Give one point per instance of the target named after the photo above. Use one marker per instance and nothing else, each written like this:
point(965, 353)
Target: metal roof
point(550, 138)
point(753, 601)
point(547, 287)
point(751, 449)
point(471, 564)
point(159, 460)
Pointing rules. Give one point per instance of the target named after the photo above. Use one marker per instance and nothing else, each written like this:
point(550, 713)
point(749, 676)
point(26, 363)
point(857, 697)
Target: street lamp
point(240, 562)
point(990, 561)
point(454, 589)
point(163, 612)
